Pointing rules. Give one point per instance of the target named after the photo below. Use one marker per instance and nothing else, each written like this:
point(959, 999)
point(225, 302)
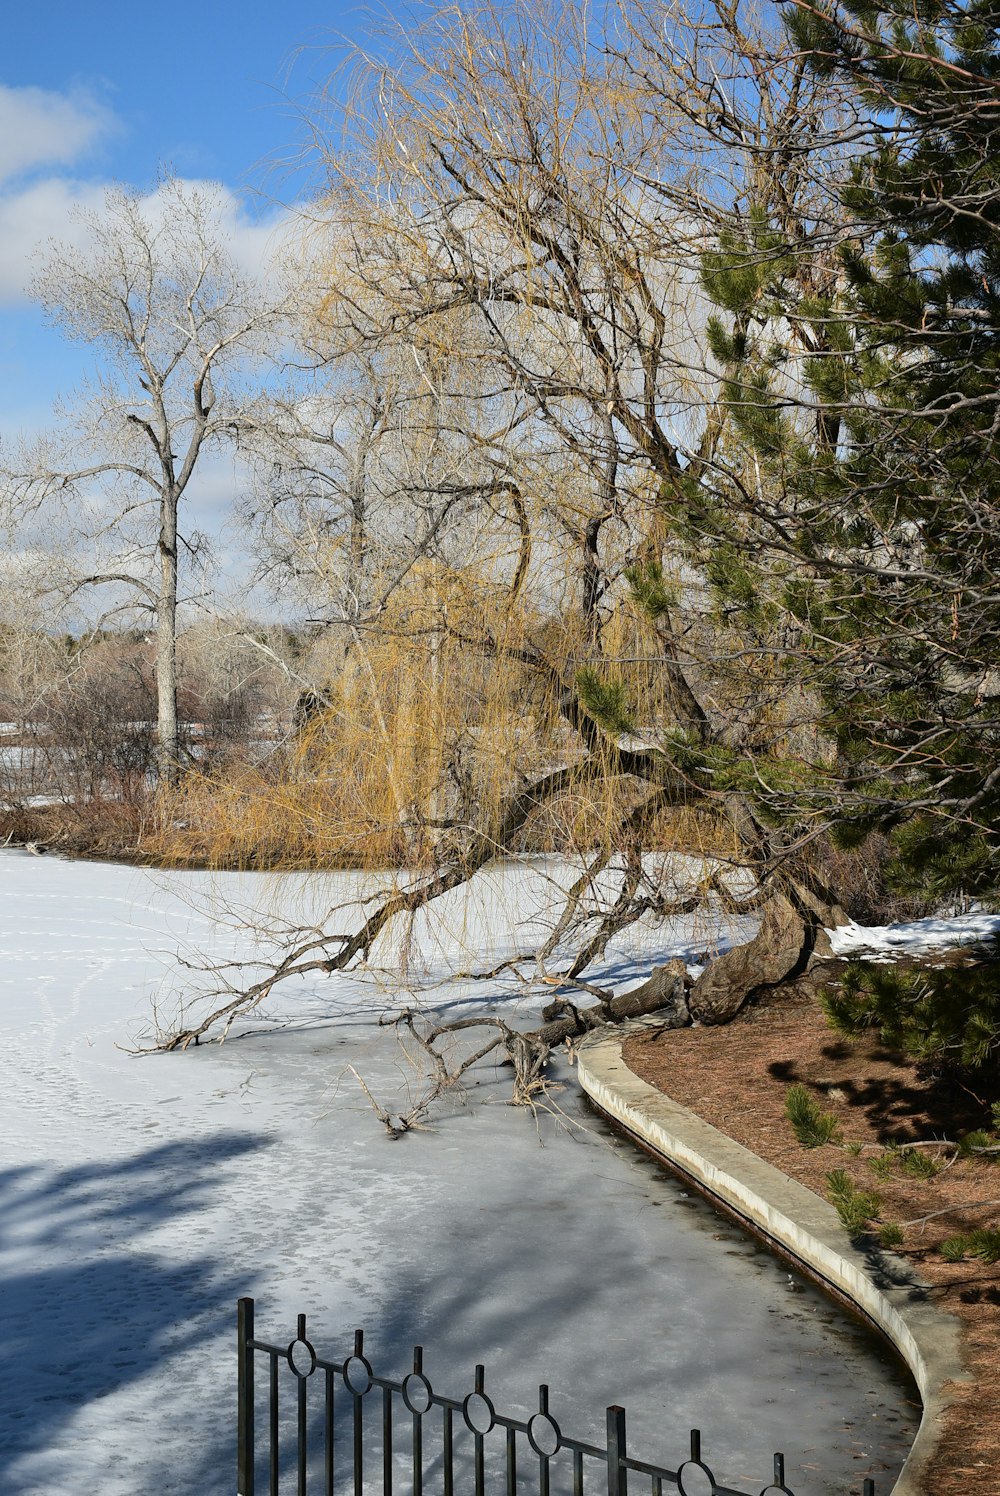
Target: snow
point(920, 937)
point(140, 1197)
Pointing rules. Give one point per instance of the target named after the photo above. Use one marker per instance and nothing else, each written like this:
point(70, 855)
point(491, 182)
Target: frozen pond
point(141, 1197)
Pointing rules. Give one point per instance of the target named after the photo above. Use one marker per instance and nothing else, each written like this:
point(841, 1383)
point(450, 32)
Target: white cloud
point(41, 128)
point(42, 131)
point(28, 218)
point(253, 242)
point(44, 210)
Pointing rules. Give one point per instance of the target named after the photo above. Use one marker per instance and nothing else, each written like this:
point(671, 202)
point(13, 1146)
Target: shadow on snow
point(109, 1311)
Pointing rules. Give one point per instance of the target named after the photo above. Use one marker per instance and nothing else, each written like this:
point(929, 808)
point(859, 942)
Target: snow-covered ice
point(139, 1197)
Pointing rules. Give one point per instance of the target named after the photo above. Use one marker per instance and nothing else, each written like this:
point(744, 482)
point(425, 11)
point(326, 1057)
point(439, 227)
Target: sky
point(104, 92)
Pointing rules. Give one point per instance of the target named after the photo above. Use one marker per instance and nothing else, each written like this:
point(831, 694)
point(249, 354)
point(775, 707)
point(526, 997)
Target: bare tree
point(549, 197)
point(154, 289)
point(533, 203)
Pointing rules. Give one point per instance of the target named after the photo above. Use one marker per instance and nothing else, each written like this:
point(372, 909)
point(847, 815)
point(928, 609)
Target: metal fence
point(337, 1428)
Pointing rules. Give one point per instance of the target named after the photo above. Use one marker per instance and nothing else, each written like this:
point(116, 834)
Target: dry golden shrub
point(105, 828)
point(433, 722)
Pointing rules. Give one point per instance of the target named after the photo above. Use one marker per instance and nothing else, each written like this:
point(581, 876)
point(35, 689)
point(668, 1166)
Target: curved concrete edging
point(806, 1227)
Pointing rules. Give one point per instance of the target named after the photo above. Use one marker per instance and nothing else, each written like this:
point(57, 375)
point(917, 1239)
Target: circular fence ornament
point(358, 1375)
point(544, 1435)
point(479, 1413)
point(417, 1393)
point(301, 1358)
point(694, 1478)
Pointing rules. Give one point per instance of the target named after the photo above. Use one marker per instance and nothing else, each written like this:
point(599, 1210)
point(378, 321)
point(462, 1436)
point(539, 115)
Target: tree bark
point(167, 737)
point(664, 991)
point(792, 934)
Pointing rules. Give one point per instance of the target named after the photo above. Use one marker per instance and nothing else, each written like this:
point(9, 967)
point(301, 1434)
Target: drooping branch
point(313, 951)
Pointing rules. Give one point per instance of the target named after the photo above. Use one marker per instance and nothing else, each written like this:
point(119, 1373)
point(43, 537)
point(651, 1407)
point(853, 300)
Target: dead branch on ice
point(526, 1052)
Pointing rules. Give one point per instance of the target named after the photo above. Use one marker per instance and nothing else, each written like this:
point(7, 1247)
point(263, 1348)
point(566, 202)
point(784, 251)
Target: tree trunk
point(791, 935)
point(167, 739)
point(663, 993)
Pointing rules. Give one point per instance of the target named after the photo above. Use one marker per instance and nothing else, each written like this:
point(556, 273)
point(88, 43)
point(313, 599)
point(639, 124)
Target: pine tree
point(877, 522)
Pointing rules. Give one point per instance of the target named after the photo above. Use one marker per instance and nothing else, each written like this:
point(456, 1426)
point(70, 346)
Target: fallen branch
point(951, 1210)
point(528, 1052)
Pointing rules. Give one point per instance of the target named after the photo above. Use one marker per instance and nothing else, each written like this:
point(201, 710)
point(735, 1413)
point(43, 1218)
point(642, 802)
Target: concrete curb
point(880, 1285)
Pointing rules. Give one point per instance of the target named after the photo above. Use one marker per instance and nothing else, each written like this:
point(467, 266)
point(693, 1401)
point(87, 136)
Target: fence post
point(617, 1474)
point(244, 1396)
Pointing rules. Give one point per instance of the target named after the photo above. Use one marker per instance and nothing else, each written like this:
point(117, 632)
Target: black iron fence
point(337, 1428)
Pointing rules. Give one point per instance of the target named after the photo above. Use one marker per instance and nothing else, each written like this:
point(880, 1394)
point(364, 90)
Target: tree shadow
point(905, 1107)
point(92, 1309)
point(493, 1294)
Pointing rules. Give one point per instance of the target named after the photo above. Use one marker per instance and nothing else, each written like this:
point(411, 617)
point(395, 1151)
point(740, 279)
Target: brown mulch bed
point(737, 1078)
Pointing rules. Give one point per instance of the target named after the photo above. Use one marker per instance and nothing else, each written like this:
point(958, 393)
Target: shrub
point(983, 1243)
point(881, 1164)
point(857, 1208)
point(917, 1164)
point(971, 1142)
point(812, 1126)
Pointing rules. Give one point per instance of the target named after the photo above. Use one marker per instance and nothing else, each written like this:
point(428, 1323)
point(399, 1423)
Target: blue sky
point(93, 93)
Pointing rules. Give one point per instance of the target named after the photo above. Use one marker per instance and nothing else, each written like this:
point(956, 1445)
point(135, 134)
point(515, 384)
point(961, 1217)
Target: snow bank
point(919, 937)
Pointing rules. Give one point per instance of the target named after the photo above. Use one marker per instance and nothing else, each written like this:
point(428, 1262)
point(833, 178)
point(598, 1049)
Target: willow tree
point(518, 201)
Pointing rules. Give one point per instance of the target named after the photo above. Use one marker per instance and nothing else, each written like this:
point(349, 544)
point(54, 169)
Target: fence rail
point(355, 1433)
